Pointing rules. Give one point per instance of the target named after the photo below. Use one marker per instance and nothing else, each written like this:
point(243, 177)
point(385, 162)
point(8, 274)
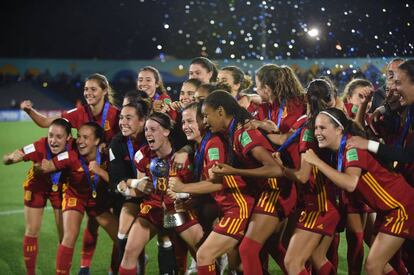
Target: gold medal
point(94, 194)
point(55, 188)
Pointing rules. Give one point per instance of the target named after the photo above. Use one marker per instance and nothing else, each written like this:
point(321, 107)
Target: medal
point(55, 188)
point(94, 194)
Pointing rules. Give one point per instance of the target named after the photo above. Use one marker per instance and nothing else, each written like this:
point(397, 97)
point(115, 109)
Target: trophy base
point(172, 220)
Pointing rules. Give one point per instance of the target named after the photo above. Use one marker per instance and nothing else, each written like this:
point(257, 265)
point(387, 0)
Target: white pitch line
point(17, 211)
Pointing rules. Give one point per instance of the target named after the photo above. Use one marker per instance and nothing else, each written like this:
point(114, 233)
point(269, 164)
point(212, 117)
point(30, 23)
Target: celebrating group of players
point(223, 171)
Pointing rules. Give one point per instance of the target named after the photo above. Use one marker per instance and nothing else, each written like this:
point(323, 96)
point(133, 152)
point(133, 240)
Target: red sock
point(206, 269)
point(326, 269)
point(392, 272)
point(332, 254)
point(30, 254)
point(304, 272)
point(124, 271)
point(88, 246)
point(63, 259)
point(355, 254)
point(249, 254)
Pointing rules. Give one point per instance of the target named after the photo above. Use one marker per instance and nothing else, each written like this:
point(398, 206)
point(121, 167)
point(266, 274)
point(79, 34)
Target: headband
point(333, 118)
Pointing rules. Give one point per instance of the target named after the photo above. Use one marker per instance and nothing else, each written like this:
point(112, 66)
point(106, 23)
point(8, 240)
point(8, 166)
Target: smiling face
point(196, 71)
point(93, 93)
point(404, 88)
point(326, 133)
point(190, 126)
point(57, 138)
point(155, 134)
point(213, 119)
point(187, 94)
point(129, 122)
point(87, 141)
point(147, 83)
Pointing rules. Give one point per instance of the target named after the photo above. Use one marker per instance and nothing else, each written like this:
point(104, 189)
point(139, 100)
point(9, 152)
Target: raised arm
point(14, 157)
point(41, 120)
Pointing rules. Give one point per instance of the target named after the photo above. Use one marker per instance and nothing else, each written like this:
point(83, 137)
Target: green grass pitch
point(14, 135)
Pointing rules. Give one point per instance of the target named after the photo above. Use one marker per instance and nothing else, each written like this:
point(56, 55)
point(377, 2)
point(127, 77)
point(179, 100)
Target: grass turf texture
point(15, 135)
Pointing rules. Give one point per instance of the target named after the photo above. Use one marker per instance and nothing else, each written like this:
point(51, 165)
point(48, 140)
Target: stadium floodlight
point(313, 32)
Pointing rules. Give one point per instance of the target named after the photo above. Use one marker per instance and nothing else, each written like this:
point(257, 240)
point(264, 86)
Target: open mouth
point(150, 141)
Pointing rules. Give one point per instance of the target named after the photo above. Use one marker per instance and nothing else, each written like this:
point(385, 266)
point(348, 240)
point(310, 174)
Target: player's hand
point(175, 184)
point(223, 169)
point(26, 105)
point(93, 166)
point(357, 142)
point(179, 160)
point(310, 157)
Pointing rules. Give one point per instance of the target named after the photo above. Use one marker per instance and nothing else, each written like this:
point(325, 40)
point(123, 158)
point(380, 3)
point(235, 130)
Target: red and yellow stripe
point(388, 200)
point(238, 197)
point(320, 189)
point(311, 218)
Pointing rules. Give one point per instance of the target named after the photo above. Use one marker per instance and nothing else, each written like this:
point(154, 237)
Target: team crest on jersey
point(284, 113)
point(213, 153)
point(352, 155)
point(307, 136)
point(245, 139)
point(29, 149)
point(107, 126)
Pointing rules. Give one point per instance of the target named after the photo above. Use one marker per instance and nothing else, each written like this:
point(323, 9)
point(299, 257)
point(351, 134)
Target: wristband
point(373, 146)
point(183, 195)
point(134, 183)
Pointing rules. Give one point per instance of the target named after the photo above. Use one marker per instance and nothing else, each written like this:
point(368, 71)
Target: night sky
point(261, 30)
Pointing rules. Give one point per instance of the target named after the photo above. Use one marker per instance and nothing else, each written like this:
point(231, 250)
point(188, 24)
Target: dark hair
point(208, 65)
point(349, 126)
point(408, 68)
point(64, 123)
point(141, 108)
point(103, 83)
point(135, 95)
point(157, 76)
point(163, 119)
point(98, 131)
point(211, 87)
point(195, 82)
point(355, 83)
point(220, 98)
point(318, 93)
point(282, 80)
point(239, 77)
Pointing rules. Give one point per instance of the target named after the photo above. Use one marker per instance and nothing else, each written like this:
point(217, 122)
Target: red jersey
point(80, 115)
point(319, 189)
point(382, 189)
point(142, 162)
point(71, 165)
point(36, 152)
point(234, 192)
point(292, 110)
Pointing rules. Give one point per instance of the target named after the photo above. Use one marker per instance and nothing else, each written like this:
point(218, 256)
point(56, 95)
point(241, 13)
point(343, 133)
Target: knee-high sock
point(30, 254)
point(355, 254)
point(122, 240)
point(141, 263)
point(332, 254)
point(88, 246)
point(249, 254)
point(124, 271)
point(206, 269)
point(398, 264)
point(326, 269)
point(64, 260)
point(166, 259)
point(115, 262)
